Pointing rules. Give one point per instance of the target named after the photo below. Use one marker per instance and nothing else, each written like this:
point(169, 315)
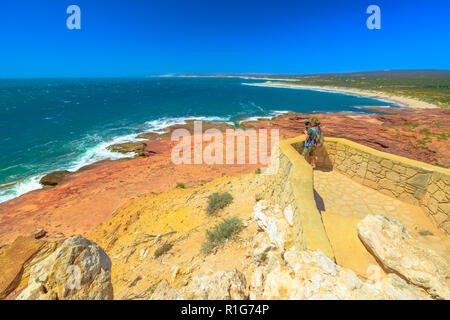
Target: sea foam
point(95, 153)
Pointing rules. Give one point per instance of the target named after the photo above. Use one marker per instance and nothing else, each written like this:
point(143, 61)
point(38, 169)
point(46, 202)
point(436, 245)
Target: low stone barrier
point(292, 187)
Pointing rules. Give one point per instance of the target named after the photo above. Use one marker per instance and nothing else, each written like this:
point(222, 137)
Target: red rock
point(38, 233)
point(90, 195)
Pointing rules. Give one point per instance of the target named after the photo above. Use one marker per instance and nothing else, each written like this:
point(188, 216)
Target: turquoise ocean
point(65, 124)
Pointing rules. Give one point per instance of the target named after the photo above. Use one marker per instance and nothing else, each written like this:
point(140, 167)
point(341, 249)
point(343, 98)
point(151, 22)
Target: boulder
point(38, 233)
point(388, 240)
point(129, 147)
point(317, 277)
point(273, 222)
point(312, 275)
point(54, 178)
point(218, 286)
point(149, 135)
point(78, 270)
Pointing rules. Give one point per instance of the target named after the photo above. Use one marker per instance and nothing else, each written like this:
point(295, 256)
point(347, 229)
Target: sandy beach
point(401, 100)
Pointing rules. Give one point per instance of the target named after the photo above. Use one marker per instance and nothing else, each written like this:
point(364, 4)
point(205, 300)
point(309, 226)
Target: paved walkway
point(344, 202)
point(338, 194)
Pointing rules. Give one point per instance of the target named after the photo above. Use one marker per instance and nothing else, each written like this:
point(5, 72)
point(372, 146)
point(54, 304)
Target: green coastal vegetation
point(180, 185)
point(218, 201)
point(221, 233)
point(431, 86)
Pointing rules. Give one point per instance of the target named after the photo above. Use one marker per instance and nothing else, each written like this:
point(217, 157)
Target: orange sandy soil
point(88, 197)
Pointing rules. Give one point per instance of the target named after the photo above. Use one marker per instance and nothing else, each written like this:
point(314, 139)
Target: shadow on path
point(320, 204)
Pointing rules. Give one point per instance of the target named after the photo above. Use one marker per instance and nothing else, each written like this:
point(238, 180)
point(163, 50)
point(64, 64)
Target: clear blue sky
point(142, 37)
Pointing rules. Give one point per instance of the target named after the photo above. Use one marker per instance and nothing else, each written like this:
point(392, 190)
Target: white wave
point(160, 125)
point(8, 168)
point(272, 114)
point(279, 113)
point(94, 154)
point(100, 152)
point(11, 190)
point(253, 119)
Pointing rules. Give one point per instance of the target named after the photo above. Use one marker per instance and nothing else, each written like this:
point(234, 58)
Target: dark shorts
point(308, 151)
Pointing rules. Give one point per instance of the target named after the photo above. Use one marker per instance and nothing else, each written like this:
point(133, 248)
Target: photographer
point(312, 129)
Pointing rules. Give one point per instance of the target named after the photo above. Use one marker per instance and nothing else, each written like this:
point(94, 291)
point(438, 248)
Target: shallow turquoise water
point(55, 124)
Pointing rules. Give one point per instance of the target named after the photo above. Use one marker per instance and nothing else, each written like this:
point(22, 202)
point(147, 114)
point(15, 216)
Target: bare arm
point(306, 135)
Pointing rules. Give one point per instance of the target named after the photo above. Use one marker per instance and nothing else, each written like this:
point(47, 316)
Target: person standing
point(313, 133)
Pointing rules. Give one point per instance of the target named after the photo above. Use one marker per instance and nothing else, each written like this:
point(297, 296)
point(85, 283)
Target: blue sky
point(137, 37)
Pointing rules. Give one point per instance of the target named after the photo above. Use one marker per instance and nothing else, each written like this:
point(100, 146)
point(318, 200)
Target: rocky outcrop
point(312, 275)
point(78, 270)
point(388, 240)
point(273, 222)
point(164, 291)
point(320, 277)
point(262, 250)
point(150, 135)
point(129, 147)
point(284, 272)
point(54, 178)
point(38, 233)
point(218, 286)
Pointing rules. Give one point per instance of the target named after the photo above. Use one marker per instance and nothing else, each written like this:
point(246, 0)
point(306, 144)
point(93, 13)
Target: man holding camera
point(311, 130)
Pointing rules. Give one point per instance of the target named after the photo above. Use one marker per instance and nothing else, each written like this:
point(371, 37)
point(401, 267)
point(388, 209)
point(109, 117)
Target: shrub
point(218, 201)
point(258, 171)
point(415, 125)
point(443, 136)
point(180, 185)
point(221, 232)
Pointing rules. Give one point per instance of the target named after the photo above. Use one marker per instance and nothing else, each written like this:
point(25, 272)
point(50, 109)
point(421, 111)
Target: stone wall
point(408, 180)
point(291, 186)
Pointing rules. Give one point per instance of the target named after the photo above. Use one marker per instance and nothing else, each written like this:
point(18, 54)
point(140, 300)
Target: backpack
point(318, 138)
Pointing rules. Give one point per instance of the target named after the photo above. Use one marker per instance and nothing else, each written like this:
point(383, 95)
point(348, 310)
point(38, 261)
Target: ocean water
point(64, 124)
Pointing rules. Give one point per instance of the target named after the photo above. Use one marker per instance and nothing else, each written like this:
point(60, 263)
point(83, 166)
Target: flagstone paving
point(337, 194)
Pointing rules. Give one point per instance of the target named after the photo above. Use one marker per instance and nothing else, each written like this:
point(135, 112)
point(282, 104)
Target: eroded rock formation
point(78, 270)
point(388, 240)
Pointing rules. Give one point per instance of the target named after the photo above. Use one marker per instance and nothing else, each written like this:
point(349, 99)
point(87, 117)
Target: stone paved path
point(337, 194)
point(341, 195)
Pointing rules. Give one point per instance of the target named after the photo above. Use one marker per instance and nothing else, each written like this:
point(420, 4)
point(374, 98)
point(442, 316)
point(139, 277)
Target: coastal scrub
point(180, 185)
point(218, 201)
point(221, 233)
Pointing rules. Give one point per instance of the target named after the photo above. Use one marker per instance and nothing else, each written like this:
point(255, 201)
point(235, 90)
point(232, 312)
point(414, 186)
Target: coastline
point(31, 183)
point(400, 100)
point(98, 153)
point(111, 183)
